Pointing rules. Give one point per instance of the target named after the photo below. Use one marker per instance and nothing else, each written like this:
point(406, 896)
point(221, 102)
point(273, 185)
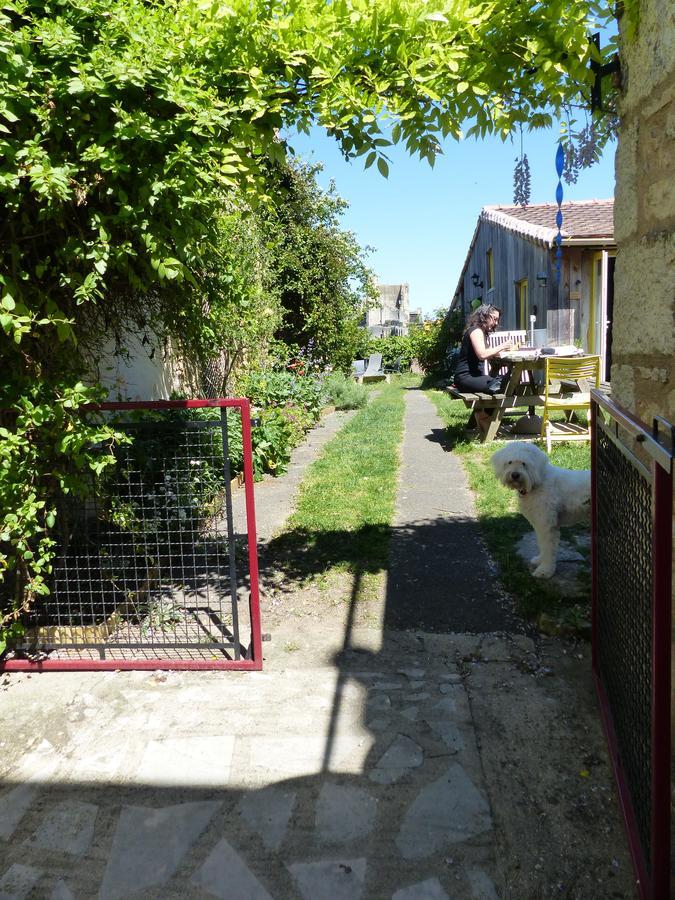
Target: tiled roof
point(581, 219)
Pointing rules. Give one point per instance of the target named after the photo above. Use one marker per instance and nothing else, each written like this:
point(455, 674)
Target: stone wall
point(393, 304)
point(142, 372)
point(644, 216)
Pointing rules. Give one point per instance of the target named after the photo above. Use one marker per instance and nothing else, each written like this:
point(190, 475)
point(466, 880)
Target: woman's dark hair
point(480, 317)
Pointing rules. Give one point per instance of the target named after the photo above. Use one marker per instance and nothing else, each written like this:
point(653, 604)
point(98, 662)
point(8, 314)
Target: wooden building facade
point(511, 264)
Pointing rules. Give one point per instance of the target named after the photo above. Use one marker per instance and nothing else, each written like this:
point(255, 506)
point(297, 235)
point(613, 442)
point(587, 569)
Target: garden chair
point(497, 338)
point(358, 368)
point(567, 388)
point(374, 370)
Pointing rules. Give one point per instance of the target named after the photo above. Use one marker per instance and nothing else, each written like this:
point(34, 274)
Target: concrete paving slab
point(224, 874)
point(273, 758)
point(440, 576)
point(66, 828)
point(193, 761)
point(330, 879)
point(401, 757)
point(267, 812)
point(149, 845)
point(61, 892)
point(482, 886)
point(431, 889)
point(14, 803)
point(275, 797)
point(18, 881)
point(448, 811)
point(344, 814)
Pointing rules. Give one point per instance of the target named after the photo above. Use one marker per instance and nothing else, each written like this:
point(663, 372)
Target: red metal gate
point(150, 571)
point(632, 486)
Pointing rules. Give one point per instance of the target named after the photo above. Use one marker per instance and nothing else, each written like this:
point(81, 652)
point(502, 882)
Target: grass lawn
point(502, 524)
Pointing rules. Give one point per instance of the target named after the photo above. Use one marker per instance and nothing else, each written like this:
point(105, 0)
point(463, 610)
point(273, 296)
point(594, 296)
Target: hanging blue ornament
point(559, 165)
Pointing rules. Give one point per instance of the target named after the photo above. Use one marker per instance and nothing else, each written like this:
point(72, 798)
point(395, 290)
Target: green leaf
point(383, 167)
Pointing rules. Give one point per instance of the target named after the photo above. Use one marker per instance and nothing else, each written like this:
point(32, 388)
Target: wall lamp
point(476, 281)
point(542, 279)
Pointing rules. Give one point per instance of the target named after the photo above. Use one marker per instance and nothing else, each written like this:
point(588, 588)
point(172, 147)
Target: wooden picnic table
point(520, 392)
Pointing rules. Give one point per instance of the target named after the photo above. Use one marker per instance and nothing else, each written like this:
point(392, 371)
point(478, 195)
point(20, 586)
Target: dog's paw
point(543, 571)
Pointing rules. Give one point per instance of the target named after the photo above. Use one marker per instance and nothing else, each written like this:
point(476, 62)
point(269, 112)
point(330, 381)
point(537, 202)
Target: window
point(490, 265)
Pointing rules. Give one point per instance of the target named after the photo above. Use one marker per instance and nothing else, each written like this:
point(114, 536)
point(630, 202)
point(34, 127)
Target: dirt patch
point(544, 756)
point(336, 598)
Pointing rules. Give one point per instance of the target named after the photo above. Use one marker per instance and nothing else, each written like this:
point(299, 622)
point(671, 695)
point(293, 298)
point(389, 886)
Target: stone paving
point(349, 772)
point(311, 783)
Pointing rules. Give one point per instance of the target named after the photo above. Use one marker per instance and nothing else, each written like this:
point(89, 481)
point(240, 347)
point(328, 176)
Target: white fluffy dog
point(548, 496)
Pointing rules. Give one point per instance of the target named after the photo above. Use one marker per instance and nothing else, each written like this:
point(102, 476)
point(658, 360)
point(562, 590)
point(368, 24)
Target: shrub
point(344, 393)
point(299, 421)
point(432, 340)
point(271, 440)
point(278, 389)
point(393, 349)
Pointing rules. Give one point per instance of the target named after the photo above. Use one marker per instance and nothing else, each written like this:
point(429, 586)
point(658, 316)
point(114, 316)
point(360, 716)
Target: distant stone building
point(392, 313)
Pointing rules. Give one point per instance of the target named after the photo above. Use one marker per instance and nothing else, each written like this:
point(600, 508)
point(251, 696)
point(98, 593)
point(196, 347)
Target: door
point(602, 308)
point(609, 317)
point(522, 305)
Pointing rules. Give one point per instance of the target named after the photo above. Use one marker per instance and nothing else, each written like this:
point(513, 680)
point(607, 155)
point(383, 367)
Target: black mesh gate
point(632, 521)
point(151, 570)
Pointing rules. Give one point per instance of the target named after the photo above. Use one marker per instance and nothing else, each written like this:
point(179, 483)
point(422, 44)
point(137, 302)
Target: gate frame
point(255, 660)
point(653, 882)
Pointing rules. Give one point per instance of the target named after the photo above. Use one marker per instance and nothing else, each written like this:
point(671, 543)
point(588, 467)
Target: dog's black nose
point(515, 476)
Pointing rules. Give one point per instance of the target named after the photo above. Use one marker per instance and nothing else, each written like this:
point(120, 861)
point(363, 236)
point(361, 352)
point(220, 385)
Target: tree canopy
point(319, 270)
point(121, 121)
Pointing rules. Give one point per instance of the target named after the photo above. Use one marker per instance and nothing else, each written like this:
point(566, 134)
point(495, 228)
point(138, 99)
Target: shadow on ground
point(440, 579)
point(361, 779)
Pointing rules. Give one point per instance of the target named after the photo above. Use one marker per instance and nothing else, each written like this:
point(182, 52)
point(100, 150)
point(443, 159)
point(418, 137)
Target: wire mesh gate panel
point(150, 572)
point(632, 522)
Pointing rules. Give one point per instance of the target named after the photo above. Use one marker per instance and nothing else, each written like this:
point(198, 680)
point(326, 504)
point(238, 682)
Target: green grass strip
point(354, 482)
point(346, 502)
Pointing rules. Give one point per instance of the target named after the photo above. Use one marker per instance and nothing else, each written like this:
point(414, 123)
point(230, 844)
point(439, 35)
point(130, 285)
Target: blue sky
point(420, 220)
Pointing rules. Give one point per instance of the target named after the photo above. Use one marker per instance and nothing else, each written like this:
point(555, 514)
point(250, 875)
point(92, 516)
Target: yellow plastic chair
point(567, 388)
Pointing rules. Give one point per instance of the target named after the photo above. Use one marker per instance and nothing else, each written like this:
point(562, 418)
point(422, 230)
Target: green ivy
point(42, 425)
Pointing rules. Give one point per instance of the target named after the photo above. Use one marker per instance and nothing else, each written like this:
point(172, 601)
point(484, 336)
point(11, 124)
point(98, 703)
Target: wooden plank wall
point(515, 258)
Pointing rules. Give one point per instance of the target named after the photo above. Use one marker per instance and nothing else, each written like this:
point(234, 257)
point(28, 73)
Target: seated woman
point(470, 370)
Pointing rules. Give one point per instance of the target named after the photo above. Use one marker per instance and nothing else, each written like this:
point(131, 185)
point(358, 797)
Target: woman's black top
point(468, 362)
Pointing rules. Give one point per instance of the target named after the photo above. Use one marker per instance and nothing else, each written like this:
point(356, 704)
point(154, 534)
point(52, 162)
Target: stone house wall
point(644, 216)
point(393, 303)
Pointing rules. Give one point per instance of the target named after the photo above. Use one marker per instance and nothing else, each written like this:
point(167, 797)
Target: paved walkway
point(440, 578)
point(374, 764)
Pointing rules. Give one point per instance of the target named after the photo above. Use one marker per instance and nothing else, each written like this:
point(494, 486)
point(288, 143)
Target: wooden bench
point(490, 401)
point(495, 404)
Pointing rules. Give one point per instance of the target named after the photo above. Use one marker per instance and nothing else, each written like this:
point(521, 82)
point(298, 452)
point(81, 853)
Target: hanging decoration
point(559, 166)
